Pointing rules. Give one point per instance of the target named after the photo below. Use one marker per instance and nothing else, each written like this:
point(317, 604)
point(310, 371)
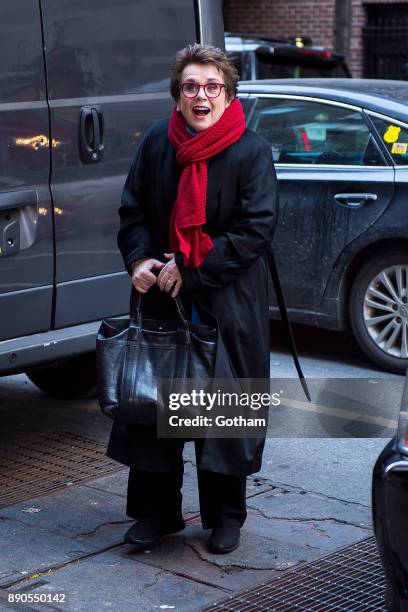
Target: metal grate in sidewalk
point(47, 462)
point(349, 579)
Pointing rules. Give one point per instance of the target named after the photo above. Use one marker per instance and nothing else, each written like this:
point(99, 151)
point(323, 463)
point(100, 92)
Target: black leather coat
point(232, 282)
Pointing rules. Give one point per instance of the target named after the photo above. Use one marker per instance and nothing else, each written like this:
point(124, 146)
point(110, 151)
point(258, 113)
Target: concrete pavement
point(311, 497)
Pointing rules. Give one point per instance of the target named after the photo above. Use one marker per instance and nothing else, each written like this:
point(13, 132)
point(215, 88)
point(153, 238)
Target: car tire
point(71, 379)
point(380, 289)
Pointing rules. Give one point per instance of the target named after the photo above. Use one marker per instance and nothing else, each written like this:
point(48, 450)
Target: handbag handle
point(137, 320)
point(285, 319)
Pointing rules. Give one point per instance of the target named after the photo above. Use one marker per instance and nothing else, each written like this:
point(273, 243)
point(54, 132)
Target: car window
point(248, 104)
point(242, 61)
point(395, 138)
point(236, 58)
point(278, 67)
point(306, 132)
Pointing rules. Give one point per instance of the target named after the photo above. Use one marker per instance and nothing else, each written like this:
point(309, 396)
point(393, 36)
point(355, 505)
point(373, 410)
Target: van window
point(21, 52)
point(105, 47)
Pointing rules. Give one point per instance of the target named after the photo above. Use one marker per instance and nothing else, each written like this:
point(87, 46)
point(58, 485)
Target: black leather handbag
point(133, 353)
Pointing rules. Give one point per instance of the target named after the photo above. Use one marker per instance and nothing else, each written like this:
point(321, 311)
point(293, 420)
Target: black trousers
point(157, 495)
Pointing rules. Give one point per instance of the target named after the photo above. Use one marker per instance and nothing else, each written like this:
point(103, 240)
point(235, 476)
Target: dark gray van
point(80, 81)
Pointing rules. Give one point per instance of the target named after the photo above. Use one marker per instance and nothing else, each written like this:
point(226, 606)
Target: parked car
point(341, 154)
point(270, 58)
point(390, 500)
point(80, 82)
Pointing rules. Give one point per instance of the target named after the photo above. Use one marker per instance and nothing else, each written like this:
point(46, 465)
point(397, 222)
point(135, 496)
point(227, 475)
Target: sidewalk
point(311, 497)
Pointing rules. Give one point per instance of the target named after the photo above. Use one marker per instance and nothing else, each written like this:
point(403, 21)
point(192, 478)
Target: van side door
point(108, 67)
point(26, 224)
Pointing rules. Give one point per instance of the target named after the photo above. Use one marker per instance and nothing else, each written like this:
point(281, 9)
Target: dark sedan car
point(340, 148)
point(390, 500)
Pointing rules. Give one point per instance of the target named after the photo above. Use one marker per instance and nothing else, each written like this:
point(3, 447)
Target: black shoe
point(224, 540)
point(146, 532)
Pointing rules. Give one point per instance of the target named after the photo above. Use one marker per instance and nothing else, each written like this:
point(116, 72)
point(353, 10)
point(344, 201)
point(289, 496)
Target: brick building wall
point(313, 18)
point(282, 18)
point(358, 20)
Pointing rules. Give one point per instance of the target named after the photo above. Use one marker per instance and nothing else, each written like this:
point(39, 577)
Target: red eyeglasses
point(191, 89)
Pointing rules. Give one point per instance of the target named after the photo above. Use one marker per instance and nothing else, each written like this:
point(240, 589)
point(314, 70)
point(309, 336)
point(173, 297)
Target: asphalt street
point(351, 398)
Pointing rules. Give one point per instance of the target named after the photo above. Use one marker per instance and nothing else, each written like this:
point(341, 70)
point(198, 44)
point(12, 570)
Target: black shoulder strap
point(285, 319)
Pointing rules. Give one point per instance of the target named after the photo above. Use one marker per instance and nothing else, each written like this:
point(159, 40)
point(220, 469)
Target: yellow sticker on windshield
point(392, 133)
point(400, 148)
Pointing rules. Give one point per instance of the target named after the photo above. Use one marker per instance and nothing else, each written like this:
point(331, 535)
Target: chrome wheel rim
point(386, 311)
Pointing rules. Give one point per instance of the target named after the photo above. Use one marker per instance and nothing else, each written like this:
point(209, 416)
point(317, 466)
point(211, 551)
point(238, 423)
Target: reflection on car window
point(303, 132)
point(395, 138)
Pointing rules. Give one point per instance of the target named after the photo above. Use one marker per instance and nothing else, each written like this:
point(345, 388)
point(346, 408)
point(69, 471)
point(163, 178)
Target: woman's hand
point(169, 278)
point(142, 275)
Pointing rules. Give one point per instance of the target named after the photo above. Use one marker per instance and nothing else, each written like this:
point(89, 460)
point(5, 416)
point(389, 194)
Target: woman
point(199, 205)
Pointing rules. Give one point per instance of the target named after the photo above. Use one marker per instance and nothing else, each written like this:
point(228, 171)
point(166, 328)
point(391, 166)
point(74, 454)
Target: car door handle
point(354, 200)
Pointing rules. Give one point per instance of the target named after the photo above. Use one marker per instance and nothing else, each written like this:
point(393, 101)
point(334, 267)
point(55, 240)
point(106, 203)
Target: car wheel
point(379, 310)
point(71, 379)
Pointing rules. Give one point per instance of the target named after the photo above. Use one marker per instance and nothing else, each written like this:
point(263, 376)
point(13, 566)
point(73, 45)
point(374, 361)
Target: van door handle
point(17, 199)
point(11, 219)
point(91, 134)
point(354, 200)
point(98, 125)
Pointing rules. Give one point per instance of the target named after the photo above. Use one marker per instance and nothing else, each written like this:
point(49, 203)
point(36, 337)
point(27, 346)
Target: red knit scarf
point(192, 152)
